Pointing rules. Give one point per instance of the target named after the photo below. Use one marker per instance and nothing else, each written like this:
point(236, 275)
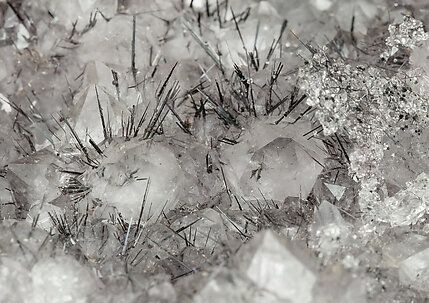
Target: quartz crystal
point(139, 171)
point(413, 271)
point(408, 206)
point(266, 154)
point(272, 265)
point(223, 286)
point(329, 230)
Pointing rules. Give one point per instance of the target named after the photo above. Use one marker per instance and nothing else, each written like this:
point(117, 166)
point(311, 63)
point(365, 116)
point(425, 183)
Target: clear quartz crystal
point(329, 232)
point(129, 168)
point(414, 271)
point(267, 154)
point(226, 285)
point(272, 265)
point(408, 206)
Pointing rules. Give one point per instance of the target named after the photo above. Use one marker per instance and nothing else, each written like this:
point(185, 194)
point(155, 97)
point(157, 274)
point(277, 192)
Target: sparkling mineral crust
point(214, 151)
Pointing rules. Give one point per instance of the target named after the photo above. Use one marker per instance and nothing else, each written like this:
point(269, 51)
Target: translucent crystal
point(41, 213)
point(7, 206)
point(329, 232)
point(62, 279)
point(267, 154)
point(272, 265)
point(336, 190)
point(5, 103)
point(419, 57)
point(363, 11)
point(163, 292)
point(320, 127)
point(122, 178)
point(17, 235)
point(322, 4)
point(336, 284)
point(208, 226)
point(414, 271)
point(403, 245)
point(98, 88)
point(114, 49)
point(98, 242)
point(79, 10)
point(8, 153)
point(408, 206)
point(265, 19)
point(41, 174)
point(226, 285)
point(409, 33)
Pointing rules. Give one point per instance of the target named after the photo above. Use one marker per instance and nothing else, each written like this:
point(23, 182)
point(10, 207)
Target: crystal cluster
point(408, 34)
point(214, 151)
point(369, 105)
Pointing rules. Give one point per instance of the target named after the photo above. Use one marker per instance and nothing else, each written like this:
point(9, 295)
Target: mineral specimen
point(214, 151)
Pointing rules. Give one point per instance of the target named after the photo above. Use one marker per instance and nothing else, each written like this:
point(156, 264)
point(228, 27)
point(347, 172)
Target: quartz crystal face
point(273, 164)
point(275, 268)
point(121, 180)
point(214, 151)
point(282, 159)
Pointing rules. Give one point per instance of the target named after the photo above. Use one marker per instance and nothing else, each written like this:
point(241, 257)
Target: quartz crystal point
point(407, 206)
point(414, 271)
point(277, 162)
point(226, 285)
point(34, 181)
point(85, 113)
point(208, 226)
point(329, 231)
point(127, 170)
point(336, 190)
point(279, 267)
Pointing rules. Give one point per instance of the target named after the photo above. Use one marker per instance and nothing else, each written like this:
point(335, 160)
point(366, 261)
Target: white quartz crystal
point(267, 154)
point(329, 232)
point(414, 271)
point(409, 205)
point(271, 265)
point(122, 178)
